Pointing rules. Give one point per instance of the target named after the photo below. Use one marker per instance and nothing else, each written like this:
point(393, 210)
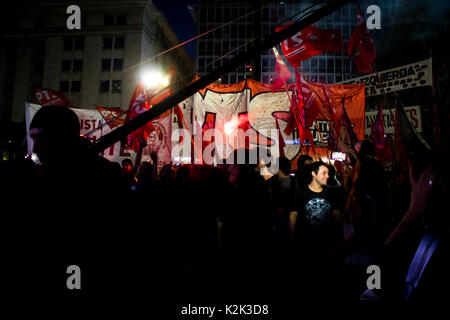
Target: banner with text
point(401, 78)
point(90, 119)
point(413, 114)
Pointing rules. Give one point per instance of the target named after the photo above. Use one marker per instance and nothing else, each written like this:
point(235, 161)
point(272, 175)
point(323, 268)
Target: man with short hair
point(314, 219)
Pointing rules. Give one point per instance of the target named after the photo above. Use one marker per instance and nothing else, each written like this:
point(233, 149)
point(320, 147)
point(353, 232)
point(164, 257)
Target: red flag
point(139, 103)
point(296, 113)
point(302, 105)
point(309, 42)
point(282, 73)
point(49, 97)
point(113, 116)
point(377, 133)
point(361, 48)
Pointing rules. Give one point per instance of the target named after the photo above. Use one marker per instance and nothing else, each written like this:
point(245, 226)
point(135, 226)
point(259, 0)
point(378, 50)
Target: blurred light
point(151, 79)
point(230, 126)
point(165, 81)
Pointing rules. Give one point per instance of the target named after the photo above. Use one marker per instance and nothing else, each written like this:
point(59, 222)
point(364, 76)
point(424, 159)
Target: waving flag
point(301, 105)
point(140, 103)
point(113, 116)
point(309, 42)
point(361, 48)
point(49, 97)
point(377, 134)
point(282, 73)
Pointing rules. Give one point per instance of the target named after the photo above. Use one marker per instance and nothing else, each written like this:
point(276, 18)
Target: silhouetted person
point(414, 260)
point(303, 170)
point(282, 187)
point(73, 215)
point(127, 171)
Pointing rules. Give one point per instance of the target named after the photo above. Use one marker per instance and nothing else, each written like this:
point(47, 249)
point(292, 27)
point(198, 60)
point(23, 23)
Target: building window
point(121, 20)
point(107, 43)
point(109, 20)
point(79, 43)
point(106, 64)
point(64, 86)
point(65, 67)
point(77, 65)
point(119, 42)
point(117, 86)
point(76, 86)
point(104, 85)
point(118, 64)
point(67, 44)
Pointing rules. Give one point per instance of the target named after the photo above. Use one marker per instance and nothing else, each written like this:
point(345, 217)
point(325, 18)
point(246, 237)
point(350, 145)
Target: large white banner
point(401, 78)
point(91, 119)
point(413, 114)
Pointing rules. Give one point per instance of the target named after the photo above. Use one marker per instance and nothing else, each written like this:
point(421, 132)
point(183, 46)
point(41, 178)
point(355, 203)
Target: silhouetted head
point(127, 166)
point(303, 160)
point(55, 132)
point(367, 149)
point(284, 165)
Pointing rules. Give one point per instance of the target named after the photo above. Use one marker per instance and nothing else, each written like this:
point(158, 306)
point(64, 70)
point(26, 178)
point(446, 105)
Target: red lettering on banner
point(124, 152)
point(111, 150)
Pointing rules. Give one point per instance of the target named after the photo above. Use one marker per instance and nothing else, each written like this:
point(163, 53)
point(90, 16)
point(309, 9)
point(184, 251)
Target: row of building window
point(105, 86)
point(117, 20)
point(272, 14)
point(77, 65)
point(77, 43)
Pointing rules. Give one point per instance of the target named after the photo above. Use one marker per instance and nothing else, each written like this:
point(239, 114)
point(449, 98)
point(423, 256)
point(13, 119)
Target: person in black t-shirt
point(315, 219)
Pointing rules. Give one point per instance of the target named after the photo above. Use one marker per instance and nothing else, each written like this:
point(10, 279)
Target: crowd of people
point(218, 231)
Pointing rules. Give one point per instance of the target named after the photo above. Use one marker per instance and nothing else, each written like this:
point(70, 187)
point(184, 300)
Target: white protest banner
point(91, 119)
point(413, 114)
point(401, 78)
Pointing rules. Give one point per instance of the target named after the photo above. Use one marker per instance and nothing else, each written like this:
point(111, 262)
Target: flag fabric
point(282, 73)
point(115, 117)
point(407, 135)
point(50, 97)
point(383, 150)
point(140, 103)
point(326, 117)
point(309, 42)
point(377, 134)
point(361, 48)
point(301, 105)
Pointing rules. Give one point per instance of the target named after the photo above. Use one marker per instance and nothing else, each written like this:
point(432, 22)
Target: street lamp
point(151, 79)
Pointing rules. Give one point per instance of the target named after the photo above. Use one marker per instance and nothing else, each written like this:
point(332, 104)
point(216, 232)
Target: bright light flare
point(165, 81)
point(230, 126)
point(151, 79)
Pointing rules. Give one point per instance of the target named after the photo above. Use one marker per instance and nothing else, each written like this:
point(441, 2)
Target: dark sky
point(180, 19)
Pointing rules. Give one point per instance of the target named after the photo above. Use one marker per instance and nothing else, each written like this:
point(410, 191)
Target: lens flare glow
point(151, 79)
point(230, 126)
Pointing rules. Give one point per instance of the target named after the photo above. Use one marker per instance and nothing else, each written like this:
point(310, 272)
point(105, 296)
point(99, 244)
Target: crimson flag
point(282, 73)
point(140, 103)
point(50, 97)
point(361, 48)
point(113, 116)
point(309, 42)
point(377, 132)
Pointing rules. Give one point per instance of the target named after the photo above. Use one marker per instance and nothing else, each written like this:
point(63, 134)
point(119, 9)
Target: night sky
point(180, 19)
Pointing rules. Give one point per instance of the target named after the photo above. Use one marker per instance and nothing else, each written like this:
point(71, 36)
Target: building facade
point(100, 64)
point(258, 19)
